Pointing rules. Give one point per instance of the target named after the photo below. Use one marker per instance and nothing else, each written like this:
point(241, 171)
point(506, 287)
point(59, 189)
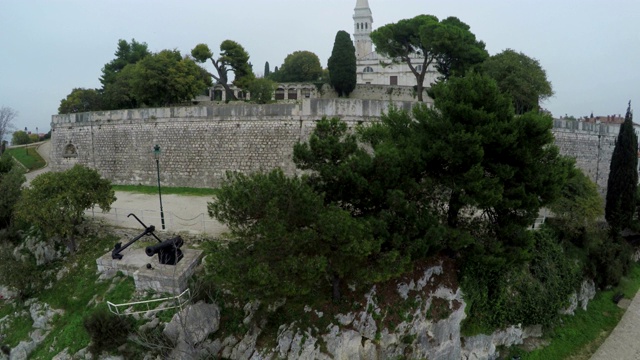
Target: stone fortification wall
point(199, 143)
point(590, 144)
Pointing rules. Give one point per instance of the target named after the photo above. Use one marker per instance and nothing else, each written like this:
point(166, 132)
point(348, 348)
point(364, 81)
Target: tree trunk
point(454, 209)
point(335, 282)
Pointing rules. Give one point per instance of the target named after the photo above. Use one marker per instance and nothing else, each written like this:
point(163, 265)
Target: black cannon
point(168, 251)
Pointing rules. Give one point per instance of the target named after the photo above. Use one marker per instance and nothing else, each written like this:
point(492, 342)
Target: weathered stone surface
point(193, 323)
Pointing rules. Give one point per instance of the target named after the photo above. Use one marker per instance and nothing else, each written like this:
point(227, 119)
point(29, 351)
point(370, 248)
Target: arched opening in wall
point(368, 69)
point(217, 95)
point(357, 26)
point(279, 94)
point(306, 93)
point(241, 95)
point(70, 151)
point(292, 94)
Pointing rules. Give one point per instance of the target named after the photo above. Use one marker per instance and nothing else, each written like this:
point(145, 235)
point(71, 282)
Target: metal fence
point(146, 306)
point(118, 216)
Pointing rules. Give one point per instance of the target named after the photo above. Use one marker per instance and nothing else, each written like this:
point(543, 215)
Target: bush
point(107, 331)
point(527, 293)
point(610, 261)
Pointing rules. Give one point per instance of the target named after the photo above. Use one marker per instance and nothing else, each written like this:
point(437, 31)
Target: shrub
point(107, 331)
point(527, 293)
point(610, 261)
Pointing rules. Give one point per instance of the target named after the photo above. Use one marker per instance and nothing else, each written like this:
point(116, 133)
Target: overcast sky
point(589, 48)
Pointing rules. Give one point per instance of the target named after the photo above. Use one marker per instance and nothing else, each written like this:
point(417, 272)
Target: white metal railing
point(129, 308)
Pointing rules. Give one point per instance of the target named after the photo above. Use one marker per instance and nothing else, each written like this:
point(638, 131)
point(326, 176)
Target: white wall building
point(369, 68)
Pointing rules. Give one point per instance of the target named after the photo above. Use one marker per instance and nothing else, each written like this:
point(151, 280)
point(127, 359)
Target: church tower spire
point(362, 22)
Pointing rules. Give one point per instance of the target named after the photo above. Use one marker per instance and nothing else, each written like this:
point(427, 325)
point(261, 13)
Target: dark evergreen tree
point(266, 69)
point(342, 64)
point(623, 177)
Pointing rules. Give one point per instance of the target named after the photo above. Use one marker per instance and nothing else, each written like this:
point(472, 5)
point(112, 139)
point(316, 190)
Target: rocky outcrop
point(41, 314)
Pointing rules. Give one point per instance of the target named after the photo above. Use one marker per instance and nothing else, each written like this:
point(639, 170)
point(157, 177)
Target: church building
point(369, 68)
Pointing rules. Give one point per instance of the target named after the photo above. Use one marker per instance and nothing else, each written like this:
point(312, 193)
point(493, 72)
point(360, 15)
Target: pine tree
point(342, 64)
point(623, 177)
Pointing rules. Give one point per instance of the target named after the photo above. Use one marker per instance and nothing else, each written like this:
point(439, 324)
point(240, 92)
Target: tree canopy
point(342, 64)
point(521, 77)
point(167, 78)
point(299, 66)
point(233, 57)
point(80, 100)
point(11, 180)
point(127, 53)
point(55, 202)
point(623, 177)
point(448, 43)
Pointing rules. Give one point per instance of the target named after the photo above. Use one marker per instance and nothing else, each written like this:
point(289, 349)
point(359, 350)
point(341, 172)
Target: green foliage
point(267, 71)
point(579, 205)
point(23, 275)
point(127, 53)
point(11, 180)
point(610, 260)
point(623, 177)
point(80, 100)
point(527, 293)
point(107, 331)
point(342, 64)
point(20, 138)
point(153, 190)
point(448, 42)
point(300, 66)
point(233, 57)
point(166, 78)
point(261, 90)
point(521, 77)
point(56, 201)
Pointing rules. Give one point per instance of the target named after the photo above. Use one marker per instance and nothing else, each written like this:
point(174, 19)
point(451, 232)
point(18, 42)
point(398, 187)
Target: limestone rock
point(587, 293)
point(344, 344)
point(193, 323)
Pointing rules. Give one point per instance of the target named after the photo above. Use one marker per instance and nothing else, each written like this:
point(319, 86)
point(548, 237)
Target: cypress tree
point(623, 177)
point(342, 64)
point(266, 69)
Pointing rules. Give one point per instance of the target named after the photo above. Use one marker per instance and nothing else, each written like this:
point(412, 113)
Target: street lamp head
point(156, 152)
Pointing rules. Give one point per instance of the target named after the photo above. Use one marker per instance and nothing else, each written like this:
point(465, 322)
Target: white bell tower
point(362, 23)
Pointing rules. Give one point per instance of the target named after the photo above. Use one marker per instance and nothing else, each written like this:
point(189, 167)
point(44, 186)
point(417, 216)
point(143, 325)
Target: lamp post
point(156, 155)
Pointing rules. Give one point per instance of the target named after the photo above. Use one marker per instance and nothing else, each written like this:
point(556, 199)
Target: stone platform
point(172, 279)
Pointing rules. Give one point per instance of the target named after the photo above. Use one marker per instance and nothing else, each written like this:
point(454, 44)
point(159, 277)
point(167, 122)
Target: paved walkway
point(624, 341)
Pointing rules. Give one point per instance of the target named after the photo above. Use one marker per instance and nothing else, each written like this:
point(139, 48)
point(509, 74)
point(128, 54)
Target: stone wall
point(200, 143)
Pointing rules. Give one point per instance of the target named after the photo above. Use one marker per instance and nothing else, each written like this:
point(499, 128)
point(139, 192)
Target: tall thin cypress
point(342, 64)
point(623, 177)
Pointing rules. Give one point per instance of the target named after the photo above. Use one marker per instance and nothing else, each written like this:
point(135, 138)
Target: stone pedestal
point(172, 279)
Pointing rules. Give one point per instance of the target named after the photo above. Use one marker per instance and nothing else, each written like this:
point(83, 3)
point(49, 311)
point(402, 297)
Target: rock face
point(582, 298)
point(41, 314)
point(190, 327)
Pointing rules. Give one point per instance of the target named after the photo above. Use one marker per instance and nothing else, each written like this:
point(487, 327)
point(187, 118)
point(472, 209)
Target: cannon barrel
point(168, 251)
point(167, 245)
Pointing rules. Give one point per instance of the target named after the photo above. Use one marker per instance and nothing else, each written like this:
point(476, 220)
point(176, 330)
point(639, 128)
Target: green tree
point(80, 100)
point(20, 138)
point(266, 69)
point(233, 57)
point(11, 180)
point(127, 53)
point(342, 64)
point(521, 77)
point(55, 202)
point(490, 159)
point(449, 43)
point(623, 177)
point(285, 242)
point(300, 66)
point(261, 90)
point(457, 48)
point(7, 115)
point(579, 205)
point(166, 78)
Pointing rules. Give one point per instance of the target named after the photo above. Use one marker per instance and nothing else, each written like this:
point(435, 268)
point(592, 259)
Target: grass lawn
point(153, 190)
point(27, 156)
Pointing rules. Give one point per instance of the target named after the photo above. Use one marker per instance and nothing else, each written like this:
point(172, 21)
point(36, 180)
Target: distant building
point(369, 67)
